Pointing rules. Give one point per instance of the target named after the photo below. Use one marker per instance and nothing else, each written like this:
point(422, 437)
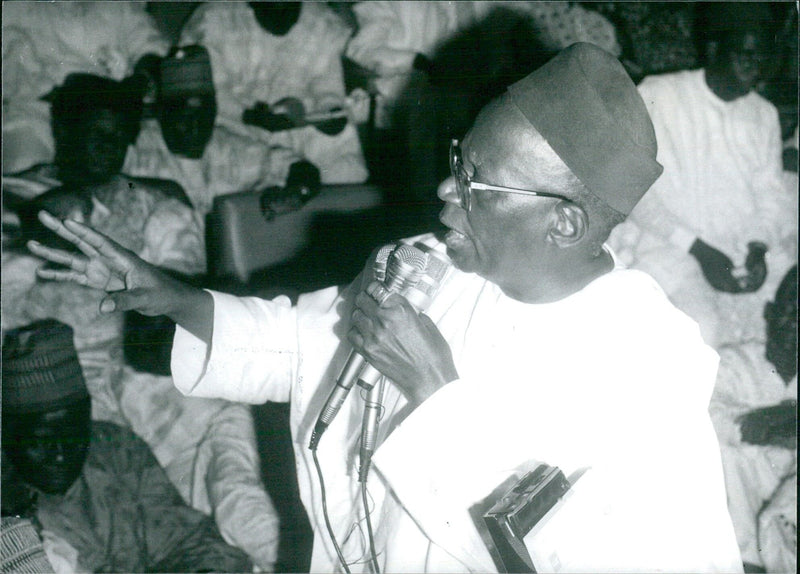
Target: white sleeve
point(253, 353)
point(242, 508)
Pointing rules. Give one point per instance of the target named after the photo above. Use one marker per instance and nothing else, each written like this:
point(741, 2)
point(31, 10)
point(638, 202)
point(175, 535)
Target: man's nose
point(447, 191)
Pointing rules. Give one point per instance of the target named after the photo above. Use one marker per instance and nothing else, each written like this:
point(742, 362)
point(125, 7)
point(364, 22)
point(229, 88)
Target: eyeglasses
point(465, 185)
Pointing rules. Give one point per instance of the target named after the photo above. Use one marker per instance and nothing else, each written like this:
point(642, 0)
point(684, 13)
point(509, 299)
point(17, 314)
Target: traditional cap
point(40, 368)
point(186, 69)
point(588, 109)
point(88, 91)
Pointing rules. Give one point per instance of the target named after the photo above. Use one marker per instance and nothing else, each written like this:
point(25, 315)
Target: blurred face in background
point(187, 123)
point(48, 449)
point(92, 150)
point(739, 61)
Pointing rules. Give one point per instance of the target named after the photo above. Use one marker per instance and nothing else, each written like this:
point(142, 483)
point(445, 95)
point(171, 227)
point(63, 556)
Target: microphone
point(398, 267)
point(420, 294)
point(369, 428)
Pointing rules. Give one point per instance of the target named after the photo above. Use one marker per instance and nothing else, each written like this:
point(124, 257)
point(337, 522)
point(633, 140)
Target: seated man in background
point(94, 121)
point(536, 347)
point(263, 53)
point(754, 409)
point(705, 228)
point(101, 498)
point(184, 144)
point(44, 42)
point(206, 446)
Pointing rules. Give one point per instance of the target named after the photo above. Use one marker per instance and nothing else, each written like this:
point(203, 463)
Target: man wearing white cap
point(537, 347)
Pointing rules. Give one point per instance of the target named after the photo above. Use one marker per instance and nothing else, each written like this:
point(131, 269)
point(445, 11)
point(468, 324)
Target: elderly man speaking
point(537, 346)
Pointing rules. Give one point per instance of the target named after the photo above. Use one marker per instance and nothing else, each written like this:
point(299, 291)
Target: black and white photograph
point(393, 286)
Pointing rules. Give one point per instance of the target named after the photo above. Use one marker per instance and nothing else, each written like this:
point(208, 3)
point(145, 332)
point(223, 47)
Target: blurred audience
point(275, 65)
point(43, 42)
point(207, 446)
point(393, 39)
point(754, 410)
point(94, 120)
point(103, 502)
point(182, 142)
point(705, 228)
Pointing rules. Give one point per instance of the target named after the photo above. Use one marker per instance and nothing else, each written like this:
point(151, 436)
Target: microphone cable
point(372, 553)
point(325, 513)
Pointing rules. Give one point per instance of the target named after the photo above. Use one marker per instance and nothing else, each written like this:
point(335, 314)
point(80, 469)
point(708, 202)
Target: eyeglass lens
point(460, 175)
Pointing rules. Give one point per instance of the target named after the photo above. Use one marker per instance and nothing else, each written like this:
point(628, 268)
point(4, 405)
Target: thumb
point(118, 301)
point(108, 305)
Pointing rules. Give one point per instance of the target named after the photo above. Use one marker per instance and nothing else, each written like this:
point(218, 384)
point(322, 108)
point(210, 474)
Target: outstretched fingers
point(63, 275)
point(59, 256)
point(79, 235)
point(88, 241)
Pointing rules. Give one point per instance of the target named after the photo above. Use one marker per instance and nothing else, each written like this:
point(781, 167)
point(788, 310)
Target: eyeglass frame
point(465, 191)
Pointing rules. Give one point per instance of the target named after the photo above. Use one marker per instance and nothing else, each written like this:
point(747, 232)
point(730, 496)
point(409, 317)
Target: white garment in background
point(191, 438)
point(208, 450)
point(161, 230)
point(612, 377)
point(391, 34)
point(43, 42)
point(723, 183)
point(746, 381)
point(250, 65)
point(231, 162)
point(777, 528)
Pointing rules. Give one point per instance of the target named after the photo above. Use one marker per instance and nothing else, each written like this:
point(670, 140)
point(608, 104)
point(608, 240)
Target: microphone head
point(406, 264)
point(381, 260)
point(423, 291)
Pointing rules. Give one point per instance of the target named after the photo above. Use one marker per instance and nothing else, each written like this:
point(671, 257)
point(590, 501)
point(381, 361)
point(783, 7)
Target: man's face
point(742, 56)
point(95, 149)
point(187, 123)
point(48, 449)
point(502, 237)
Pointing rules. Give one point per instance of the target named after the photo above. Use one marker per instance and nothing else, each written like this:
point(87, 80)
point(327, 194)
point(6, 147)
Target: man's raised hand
point(104, 265)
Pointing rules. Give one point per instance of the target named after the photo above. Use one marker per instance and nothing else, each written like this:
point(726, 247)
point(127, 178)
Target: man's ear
point(569, 225)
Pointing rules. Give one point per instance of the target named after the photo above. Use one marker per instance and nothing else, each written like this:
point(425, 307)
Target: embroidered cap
point(185, 70)
point(40, 368)
point(588, 109)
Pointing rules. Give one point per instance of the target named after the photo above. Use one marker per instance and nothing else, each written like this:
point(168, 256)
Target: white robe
point(250, 65)
point(611, 377)
point(747, 381)
point(723, 183)
point(43, 42)
point(230, 163)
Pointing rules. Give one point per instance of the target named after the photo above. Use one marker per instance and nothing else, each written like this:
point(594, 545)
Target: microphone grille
point(381, 260)
point(405, 266)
